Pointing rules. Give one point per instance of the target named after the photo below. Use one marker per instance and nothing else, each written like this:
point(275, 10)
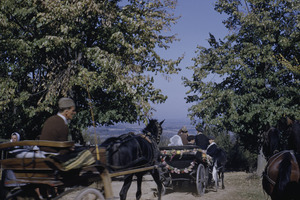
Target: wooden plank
point(30, 164)
point(132, 171)
point(47, 175)
point(106, 179)
point(45, 143)
point(40, 181)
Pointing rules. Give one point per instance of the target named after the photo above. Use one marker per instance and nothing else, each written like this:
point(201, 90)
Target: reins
point(94, 124)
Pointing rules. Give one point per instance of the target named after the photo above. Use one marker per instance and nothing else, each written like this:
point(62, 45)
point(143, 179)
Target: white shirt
point(63, 117)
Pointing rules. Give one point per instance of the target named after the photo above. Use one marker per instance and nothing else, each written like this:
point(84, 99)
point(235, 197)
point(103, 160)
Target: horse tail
point(284, 174)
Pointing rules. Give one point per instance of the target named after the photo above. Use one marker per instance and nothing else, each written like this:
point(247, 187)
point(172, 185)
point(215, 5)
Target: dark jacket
point(202, 141)
point(212, 150)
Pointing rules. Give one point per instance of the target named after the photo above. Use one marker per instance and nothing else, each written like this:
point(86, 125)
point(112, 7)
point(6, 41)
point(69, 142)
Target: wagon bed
point(34, 172)
point(185, 163)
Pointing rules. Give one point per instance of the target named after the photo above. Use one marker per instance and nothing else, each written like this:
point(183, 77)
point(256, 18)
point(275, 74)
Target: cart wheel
point(90, 194)
point(200, 180)
point(206, 175)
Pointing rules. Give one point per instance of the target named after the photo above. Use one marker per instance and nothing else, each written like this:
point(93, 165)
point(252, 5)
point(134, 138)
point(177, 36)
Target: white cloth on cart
point(175, 141)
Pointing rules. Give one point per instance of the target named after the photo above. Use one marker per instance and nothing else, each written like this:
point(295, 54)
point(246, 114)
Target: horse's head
point(271, 142)
point(154, 129)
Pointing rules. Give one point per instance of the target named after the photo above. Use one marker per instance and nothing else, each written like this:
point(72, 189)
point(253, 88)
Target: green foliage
point(105, 49)
point(255, 89)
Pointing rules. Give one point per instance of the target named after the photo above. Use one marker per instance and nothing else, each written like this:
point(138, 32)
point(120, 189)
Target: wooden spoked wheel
point(90, 194)
point(200, 180)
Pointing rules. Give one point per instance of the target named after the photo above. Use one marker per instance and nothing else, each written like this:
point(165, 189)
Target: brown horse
point(281, 178)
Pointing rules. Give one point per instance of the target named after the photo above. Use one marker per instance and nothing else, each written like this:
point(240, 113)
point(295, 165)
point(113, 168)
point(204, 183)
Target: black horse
point(271, 142)
point(220, 160)
point(135, 151)
point(294, 136)
point(290, 130)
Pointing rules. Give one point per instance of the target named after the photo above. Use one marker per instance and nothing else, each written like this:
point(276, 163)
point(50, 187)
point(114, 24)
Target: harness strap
point(269, 179)
point(145, 137)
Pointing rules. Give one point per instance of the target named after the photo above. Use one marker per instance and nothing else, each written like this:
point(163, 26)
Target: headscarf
point(175, 141)
point(17, 134)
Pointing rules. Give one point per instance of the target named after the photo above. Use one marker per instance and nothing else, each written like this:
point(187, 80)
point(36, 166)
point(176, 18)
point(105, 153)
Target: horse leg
point(215, 176)
point(222, 178)
point(139, 186)
point(156, 177)
point(126, 186)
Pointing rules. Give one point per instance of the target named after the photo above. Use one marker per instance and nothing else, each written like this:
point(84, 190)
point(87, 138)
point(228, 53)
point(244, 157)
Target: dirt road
point(238, 186)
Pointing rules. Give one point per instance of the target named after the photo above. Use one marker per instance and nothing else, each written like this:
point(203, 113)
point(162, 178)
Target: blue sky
point(198, 19)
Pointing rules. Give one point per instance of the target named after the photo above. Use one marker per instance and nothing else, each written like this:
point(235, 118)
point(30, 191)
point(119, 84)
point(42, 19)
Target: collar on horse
point(147, 137)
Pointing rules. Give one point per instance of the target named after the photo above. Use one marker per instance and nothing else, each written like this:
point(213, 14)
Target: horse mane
point(150, 127)
point(153, 129)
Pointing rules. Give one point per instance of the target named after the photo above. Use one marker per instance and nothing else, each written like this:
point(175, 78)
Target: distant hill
point(170, 128)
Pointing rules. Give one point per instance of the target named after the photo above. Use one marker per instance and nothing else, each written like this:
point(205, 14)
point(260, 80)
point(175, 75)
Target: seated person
point(212, 148)
point(191, 140)
point(175, 141)
point(56, 129)
point(201, 140)
point(8, 175)
point(183, 133)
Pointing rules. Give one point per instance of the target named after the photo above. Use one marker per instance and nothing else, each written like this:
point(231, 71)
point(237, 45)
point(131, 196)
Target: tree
point(255, 89)
point(105, 49)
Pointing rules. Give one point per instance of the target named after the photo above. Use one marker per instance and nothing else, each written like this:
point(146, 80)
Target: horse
point(294, 136)
point(220, 161)
point(135, 151)
point(290, 130)
point(271, 142)
point(281, 177)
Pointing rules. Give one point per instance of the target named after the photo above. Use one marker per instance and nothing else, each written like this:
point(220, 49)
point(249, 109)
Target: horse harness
point(267, 169)
point(146, 137)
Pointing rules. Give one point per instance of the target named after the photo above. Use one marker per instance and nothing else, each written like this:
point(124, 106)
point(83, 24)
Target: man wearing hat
point(56, 127)
point(183, 133)
point(212, 148)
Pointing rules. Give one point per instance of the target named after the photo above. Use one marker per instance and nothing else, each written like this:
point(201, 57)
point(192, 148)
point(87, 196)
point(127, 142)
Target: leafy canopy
point(102, 48)
point(255, 88)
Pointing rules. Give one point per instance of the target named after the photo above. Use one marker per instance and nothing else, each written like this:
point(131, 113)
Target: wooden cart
point(185, 163)
point(50, 177)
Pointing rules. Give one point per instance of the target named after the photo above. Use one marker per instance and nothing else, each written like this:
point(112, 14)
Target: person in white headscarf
point(9, 180)
point(15, 137)
point(175, 141)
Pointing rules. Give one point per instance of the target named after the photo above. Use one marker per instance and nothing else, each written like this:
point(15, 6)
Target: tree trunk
point(261, 163)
